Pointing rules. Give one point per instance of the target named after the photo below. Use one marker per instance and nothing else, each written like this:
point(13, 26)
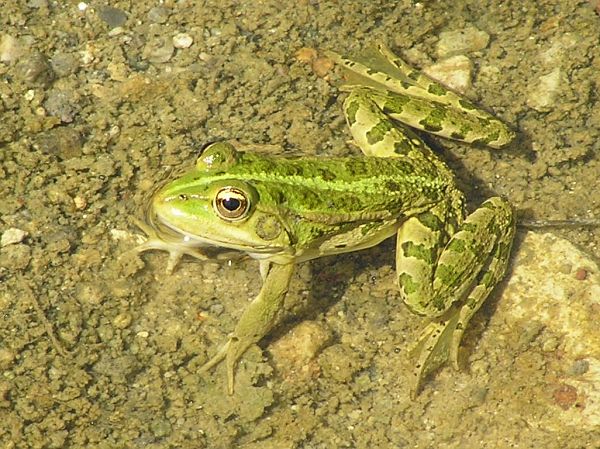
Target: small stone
point(87, 55)
point(64, 141)
point(79, 202)
point(113, 17)
point(117, 31)
point(453, 72)
point(158, 50)
point(182, 40)
point(550, 344)
point(306, 55)
point(300, 345)
point(7, 358)
point(565, 396)
point(35, 69)
point(579, 367)
point(122, 320)
point(10, 48)
point(15, 257)
point(118, 71)
point(463, 41)
point(12, 236)
point(62, 104)
point(64, 64)
point(322, 66)
point(542, 96)
point(158, 14)
point(90, 294)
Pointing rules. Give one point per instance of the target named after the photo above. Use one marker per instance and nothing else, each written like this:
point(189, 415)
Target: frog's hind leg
point(408, 80)
point(413, 98)
point(453, 286)
point(374, 132)
point(490, 275)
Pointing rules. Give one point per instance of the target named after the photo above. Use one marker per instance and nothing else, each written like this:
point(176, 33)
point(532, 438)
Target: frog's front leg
point(257, 320)
point(449, 282)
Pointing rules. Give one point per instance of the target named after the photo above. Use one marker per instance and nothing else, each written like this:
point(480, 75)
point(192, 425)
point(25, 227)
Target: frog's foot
point(231, 352)
point(176, 248)
point(437, 343)
point(176, 252)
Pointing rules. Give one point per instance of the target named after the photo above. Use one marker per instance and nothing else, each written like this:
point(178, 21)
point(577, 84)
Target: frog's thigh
point(433, 274)
point(374, 131)
point(475, 256)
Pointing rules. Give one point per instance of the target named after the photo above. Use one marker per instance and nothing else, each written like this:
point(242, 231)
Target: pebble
point(301, 344)
point(579, 367)
point(461, 41)
point(306, 54)
point(12, 236)
point(542, 97)
point(64, 64)
point(62, 104)
point(113, 17)
point(322, 66)
point(64, 141)
point(182, 40)
point(453, 72)
point(79, 202)
point(15, 257)
point(10, 48)
point(158, 50)
point(35, 69)
point(122, 320)
point(7, 357)
point(158, 14)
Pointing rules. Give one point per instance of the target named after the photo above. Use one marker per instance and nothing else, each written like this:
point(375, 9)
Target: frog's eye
point(217, 157)
point(231, 204)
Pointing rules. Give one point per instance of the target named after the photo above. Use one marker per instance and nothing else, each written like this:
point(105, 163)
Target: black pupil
point(231, 204)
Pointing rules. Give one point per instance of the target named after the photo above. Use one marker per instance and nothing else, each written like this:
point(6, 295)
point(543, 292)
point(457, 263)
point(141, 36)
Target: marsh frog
point(284, 211)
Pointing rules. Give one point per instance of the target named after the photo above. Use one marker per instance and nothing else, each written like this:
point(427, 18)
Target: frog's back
point(348, 186)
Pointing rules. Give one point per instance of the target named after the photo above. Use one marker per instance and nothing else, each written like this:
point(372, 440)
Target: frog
point(283, 211)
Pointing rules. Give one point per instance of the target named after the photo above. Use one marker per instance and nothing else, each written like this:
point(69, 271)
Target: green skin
point(283, 211)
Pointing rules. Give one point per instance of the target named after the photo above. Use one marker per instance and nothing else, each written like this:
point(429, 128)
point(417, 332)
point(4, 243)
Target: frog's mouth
point(163, 237)
point(170, 234)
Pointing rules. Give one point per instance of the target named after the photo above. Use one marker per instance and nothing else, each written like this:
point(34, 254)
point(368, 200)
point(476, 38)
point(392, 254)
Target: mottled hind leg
point(471, 263)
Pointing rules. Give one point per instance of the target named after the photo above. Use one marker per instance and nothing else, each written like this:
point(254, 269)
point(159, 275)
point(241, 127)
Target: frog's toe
point(433, 349)
point(216, 359)
point(231, 352)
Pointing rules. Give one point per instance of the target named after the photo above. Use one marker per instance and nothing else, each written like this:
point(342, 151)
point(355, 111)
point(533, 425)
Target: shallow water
point(98, 107)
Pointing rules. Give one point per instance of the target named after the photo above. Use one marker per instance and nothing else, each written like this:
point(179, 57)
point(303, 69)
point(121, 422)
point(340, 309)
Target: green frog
point(283, 211)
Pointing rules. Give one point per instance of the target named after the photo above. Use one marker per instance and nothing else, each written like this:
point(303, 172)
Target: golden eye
point(231, 204)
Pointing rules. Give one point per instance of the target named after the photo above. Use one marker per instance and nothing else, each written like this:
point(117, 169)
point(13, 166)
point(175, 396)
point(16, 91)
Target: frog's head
point(210, 207)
